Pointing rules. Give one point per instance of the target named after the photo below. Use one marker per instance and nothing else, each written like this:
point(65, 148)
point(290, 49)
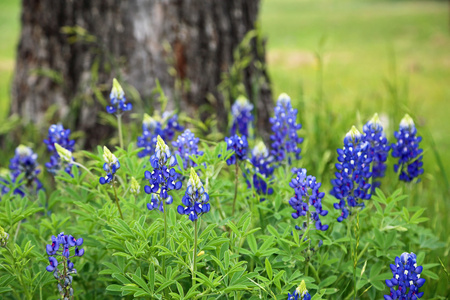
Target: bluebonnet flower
point(285, 139)
point(58, 135)
point(25, 162)
point(378, 148)
point(195, 199)
point(110, 166)
point(406, 277)
point(151, 128)
point(307, 196)
point(172, 126)
point(59, 261)
point(242, 116)
point(300, 293)
point(263, 170)
point(351, 184)
point(163, 178)
point(117, 100)
point(135, 187)
point(239, 147)
point(407, 151)
point(185, 146)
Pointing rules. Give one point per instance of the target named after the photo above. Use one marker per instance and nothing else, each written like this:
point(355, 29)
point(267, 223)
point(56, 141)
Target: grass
point(361, 38)
point(9, 36)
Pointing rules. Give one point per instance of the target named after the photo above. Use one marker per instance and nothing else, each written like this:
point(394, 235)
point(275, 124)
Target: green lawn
point(360, 39)
point(9, 36)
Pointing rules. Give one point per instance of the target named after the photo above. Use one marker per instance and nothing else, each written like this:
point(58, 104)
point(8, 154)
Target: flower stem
point(117, 200)
point(355, 262)
point(119, 126)
point(165, 240)
point(194, 268)
point(165, 244)
point(236, 181)
point(308, 216)
point(83, 167)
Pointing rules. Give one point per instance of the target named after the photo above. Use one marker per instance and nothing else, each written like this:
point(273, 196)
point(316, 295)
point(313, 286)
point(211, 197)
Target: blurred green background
point(359, 40)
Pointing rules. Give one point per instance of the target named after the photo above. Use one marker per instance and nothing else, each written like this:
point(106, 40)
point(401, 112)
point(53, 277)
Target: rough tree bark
point(202, 33)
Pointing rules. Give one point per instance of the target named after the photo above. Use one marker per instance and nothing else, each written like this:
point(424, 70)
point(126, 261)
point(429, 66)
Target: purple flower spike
point(285, 139)
point(307, 196)
point(163, 178)
point(351, 185)
point(406, 277)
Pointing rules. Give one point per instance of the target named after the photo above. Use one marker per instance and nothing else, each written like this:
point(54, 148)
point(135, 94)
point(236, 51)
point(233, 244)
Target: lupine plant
point(201, 247)
point(186, 146)
point(285, 139)
point(300, 293)
point(24, 163)
point(238, 147)
point(407, 151)
point(118, 105)
point(242, 117)
point(406, 281)
point(263, 169)
point(60, 264)
point(110, 166)
point(152, 127)
point(351, 185)
point(57, 135)
point(378, 149)
point(196, 204)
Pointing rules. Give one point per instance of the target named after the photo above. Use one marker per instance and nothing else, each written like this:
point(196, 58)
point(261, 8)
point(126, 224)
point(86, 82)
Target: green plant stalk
point(194, 267)
point(355, 259)
point(117, 200)
point(165, 243)
point(236, 182)
point(308, 216)
point(119, 126)
point(165, 240)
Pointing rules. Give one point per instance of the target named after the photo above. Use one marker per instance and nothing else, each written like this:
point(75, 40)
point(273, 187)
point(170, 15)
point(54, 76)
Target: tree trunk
point(126, 39)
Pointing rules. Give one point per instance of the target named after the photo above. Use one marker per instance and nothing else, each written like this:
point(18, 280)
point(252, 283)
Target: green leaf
point(252, 243)
point(327, 281)
point(269, 269)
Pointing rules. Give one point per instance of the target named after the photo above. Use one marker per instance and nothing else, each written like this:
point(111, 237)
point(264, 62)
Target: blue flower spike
point(195, 200)
point(407, 150)
point(24, 162)
point(241, 112)
point(351, 185)
point(406, 281)
point(60, 264)
point(378, 148)
point(239, 147)
point(285, 139)
point(163, 178)
point(154, 126)
point(110, 166)
point(300, 293)
point(57, 135)
point(263, 170)
point(306, 197)
point(118, 102)
point(186, 146)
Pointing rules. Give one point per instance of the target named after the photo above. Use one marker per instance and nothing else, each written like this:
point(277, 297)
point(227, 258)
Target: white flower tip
point(260, 150)
point(354, 133)
point(23, 150)
point(284, 99)
point(407, 122)
point(65, 154)
point(117, 90)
